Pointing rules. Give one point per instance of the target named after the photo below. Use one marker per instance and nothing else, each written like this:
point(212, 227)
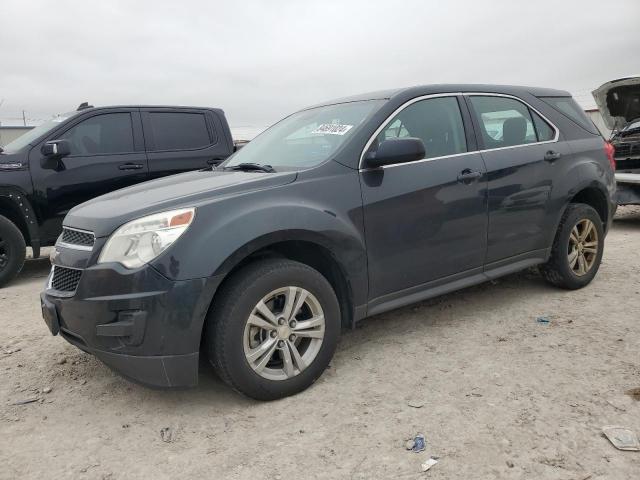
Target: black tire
point(557, 270)
point(232, 305)
point(12, 250)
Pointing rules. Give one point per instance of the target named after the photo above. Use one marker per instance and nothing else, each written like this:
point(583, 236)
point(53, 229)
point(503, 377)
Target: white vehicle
point(619, 103)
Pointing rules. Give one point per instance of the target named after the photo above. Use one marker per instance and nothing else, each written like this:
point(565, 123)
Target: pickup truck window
point(101, 135)
point(306, 138)
point(179, 130)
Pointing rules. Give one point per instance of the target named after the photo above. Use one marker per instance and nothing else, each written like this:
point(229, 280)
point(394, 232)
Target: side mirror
point(396, 150)
point(56, 148)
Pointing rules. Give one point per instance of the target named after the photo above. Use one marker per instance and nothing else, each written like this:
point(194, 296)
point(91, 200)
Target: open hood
point(619, 101)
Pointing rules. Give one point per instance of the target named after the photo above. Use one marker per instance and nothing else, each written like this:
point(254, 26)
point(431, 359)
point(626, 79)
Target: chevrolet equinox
point(338, 212)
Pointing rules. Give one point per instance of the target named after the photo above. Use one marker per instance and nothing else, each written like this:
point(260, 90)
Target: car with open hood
point(619, 104)
point(340, 211)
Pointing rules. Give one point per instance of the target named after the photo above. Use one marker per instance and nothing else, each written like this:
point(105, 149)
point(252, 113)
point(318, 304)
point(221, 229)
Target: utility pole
point(24, 120)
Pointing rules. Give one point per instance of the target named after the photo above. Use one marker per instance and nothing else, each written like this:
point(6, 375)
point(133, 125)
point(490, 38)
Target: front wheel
point(273, 329)
point(12, 250)
point(577, 248)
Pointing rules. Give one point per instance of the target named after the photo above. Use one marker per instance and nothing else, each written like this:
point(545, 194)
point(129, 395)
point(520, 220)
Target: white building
point(10, 133)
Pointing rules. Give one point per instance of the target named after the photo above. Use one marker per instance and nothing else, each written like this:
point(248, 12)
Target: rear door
point(179, 140)
point(520, 149)
point(107, 153)
point(427, 219)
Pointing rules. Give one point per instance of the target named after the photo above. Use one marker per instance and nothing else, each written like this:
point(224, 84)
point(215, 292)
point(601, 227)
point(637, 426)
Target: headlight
point(140, 241)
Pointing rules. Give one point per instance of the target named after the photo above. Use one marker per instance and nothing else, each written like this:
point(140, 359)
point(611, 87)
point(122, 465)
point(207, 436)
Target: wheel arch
point(591, 193)
point(595, 197)
point(304, 247)
point(15, 206)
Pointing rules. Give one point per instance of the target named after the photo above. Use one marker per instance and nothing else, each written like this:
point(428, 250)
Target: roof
point(447, 88)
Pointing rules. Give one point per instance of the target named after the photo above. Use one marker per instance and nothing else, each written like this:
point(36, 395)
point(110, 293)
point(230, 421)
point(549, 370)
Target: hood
point(104, 214)
point(619, 101)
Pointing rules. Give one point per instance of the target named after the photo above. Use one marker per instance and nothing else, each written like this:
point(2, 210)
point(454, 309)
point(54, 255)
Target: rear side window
point(570, 108)
point(504, 122)
point(437, 121)
point(179, 131)
point(543, 129)
point(101, 135)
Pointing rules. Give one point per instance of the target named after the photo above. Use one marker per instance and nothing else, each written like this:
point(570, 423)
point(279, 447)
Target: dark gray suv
point(338, 212)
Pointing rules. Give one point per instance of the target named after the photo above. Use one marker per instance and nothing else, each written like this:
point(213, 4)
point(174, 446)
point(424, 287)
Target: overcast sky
point(259, 60)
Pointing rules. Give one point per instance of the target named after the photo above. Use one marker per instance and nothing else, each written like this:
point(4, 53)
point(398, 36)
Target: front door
point(425, 220)
point(107, 154)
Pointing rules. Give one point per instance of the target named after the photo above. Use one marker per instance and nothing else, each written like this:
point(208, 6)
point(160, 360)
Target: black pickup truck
point(77, 156)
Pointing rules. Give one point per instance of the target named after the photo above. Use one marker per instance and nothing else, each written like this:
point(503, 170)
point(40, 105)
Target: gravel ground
point(496, 394)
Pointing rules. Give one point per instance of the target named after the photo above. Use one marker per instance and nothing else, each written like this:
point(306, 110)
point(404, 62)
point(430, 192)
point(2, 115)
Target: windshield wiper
point(251, 167)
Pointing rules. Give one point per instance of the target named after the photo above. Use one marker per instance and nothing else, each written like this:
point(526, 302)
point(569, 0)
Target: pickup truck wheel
point(273, 329)
point(577, 248)
point(12, 250)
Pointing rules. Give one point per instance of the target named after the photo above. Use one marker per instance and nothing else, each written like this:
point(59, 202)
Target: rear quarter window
point(570, 108)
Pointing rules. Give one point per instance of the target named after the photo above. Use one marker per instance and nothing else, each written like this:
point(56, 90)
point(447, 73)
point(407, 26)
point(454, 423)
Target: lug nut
point(292, 324)
point(281, 344)
point(281, 321)
point(292, 338)
point(273, 334)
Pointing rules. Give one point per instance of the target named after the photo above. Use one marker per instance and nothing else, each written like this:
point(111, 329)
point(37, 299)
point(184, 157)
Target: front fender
point(325, 210)
point(21, 206)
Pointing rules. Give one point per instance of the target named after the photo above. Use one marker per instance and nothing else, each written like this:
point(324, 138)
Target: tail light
point(610, 150)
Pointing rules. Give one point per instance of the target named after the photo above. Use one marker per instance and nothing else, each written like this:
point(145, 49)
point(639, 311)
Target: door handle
point(130, 166)
point(551, 156)
point(467, 176)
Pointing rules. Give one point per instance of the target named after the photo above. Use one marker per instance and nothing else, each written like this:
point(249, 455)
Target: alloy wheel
point(284, 333)
point(583, 247)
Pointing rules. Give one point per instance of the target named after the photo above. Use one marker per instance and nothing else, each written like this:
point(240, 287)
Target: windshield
point(306, 138)
point(34, 133)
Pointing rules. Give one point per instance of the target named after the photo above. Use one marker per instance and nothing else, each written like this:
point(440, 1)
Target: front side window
point(436, 121)
point(504, 122)
point(306, 138)
point(179, 130)
point(101, 135)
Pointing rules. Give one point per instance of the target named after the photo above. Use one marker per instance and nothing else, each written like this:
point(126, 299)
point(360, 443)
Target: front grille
point(77, 237)
point(627, 164)
point(626, 150)
point(65, 279)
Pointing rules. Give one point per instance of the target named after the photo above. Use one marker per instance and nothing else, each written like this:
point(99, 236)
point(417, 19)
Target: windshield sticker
point(332, 129)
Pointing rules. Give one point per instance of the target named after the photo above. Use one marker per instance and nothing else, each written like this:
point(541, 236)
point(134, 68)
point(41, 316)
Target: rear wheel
point(577, 249)
point(273, 329)
point(12, 250)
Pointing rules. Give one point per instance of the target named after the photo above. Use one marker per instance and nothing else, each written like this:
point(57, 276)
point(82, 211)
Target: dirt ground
point(496, 394)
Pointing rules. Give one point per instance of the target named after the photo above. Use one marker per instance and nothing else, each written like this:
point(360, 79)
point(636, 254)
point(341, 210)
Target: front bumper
point(627, 188)
point(139, 323)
